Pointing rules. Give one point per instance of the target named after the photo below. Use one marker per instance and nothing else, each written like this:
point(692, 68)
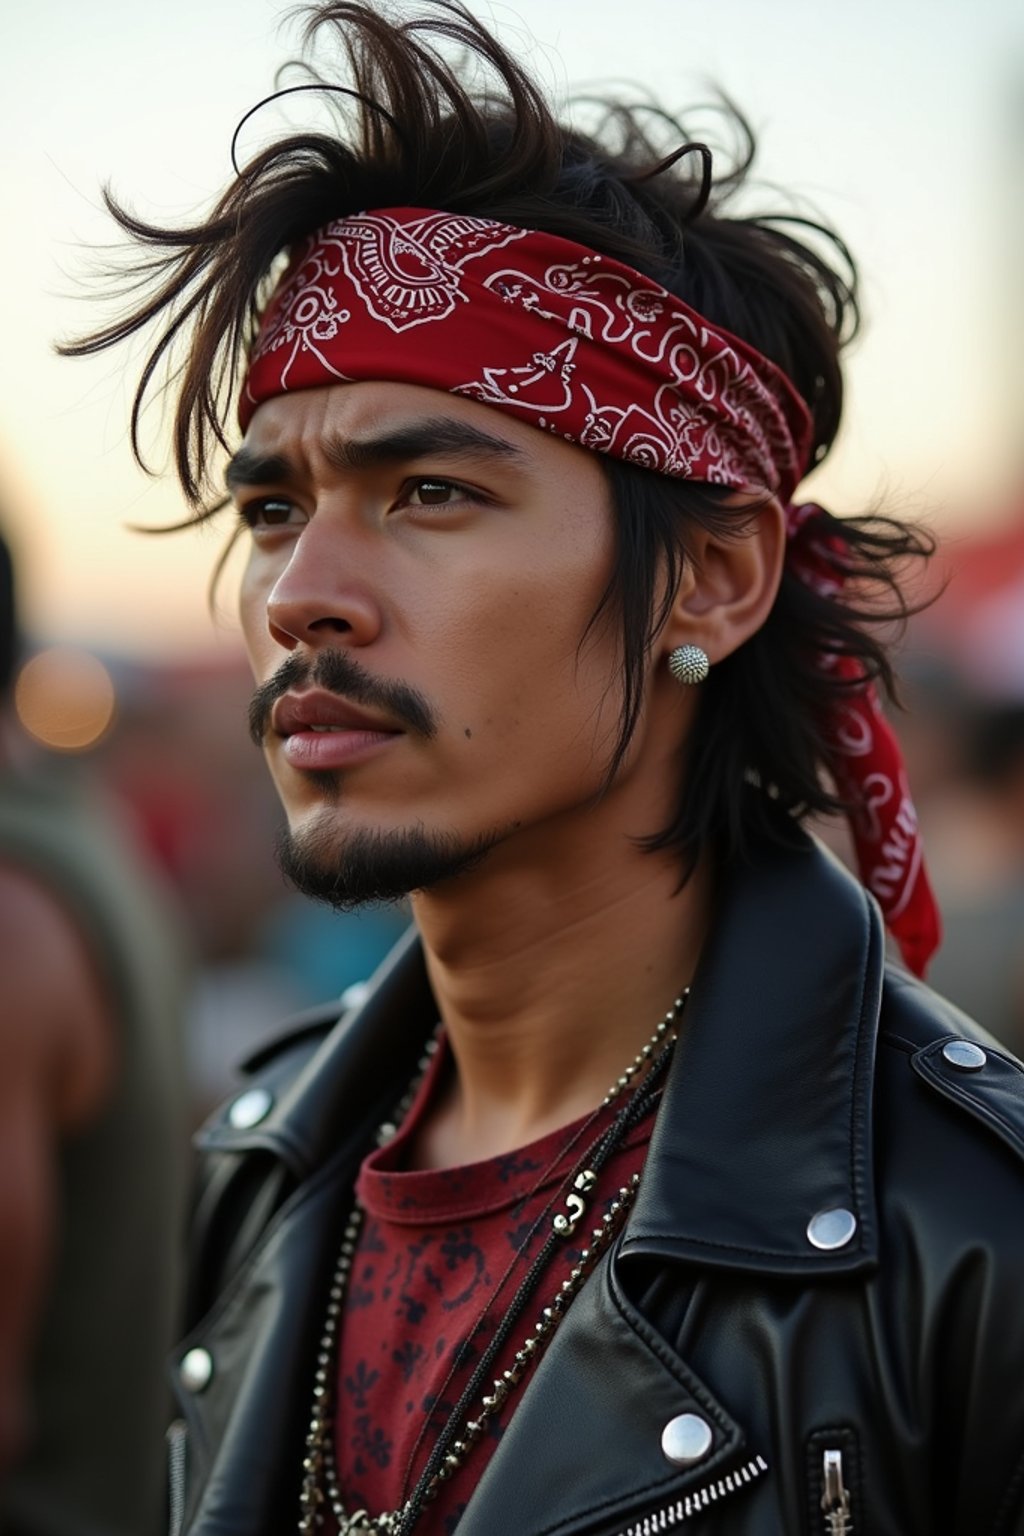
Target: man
point(694, 1211)
point(92, 1149)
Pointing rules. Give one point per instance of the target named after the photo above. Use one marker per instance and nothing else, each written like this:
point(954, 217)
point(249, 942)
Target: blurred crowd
point(963, 736)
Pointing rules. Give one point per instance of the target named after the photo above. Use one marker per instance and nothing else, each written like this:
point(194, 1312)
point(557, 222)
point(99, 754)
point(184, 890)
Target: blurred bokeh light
point(65, 698)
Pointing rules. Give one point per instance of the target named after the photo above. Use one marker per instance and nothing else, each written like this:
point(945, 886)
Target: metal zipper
point(835, 1498)
point(701, 1498)
point(177, 1437)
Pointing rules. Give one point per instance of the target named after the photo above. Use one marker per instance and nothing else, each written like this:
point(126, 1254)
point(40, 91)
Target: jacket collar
point(766, 1118)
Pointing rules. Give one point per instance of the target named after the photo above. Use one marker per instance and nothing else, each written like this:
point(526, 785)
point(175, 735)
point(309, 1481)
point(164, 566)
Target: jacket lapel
point(353, 1078)
point(766, 1119)
point(582, 1450)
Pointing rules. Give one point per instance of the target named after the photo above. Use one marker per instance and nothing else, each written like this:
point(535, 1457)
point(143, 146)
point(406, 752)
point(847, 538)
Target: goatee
point(360, 868)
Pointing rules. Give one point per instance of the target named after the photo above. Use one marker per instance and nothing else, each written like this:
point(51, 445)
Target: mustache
point(337, 672)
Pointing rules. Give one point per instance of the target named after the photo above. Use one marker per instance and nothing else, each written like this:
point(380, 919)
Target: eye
point(269, 512)
point(437, 493)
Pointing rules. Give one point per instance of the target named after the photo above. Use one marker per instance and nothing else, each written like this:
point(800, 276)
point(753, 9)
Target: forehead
point(300, 424)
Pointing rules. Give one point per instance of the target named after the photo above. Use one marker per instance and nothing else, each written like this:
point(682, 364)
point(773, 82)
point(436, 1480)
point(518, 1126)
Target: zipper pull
point(835, 1500)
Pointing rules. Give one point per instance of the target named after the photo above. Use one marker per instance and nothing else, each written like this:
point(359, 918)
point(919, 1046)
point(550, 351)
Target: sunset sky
point(902, 121)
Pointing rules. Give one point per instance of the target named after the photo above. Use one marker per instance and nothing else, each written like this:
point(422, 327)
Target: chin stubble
point(356, 869)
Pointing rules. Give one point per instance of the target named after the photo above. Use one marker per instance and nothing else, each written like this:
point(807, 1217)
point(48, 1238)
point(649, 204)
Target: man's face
point(421, 573)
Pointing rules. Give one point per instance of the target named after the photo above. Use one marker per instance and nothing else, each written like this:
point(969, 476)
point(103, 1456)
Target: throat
point(548, 991)
point(455, 1129)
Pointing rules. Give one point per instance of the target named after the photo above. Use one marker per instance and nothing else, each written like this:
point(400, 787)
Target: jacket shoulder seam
point(978, 1098)
point(897, 1042)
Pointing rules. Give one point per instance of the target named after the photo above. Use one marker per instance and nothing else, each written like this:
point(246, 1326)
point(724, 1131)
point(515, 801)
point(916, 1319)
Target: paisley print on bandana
point(404, 275)
point(573, 342)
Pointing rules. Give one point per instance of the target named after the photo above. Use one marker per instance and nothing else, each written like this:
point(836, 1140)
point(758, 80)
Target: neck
point(551, 967)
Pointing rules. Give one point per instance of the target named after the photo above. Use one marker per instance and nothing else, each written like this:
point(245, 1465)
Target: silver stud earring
point(689, 664)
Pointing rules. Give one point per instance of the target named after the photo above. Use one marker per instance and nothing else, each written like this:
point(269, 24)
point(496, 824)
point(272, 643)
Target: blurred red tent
point(977, 621)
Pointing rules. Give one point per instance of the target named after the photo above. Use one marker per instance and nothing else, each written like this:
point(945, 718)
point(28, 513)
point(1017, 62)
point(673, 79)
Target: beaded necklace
point(321, 1491)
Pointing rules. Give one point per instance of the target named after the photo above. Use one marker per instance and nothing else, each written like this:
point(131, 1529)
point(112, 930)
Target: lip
point(298, 713)
point(353, 734)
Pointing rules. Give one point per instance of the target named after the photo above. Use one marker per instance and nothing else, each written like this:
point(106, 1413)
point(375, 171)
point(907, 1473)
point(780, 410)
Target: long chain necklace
point(321, 1491)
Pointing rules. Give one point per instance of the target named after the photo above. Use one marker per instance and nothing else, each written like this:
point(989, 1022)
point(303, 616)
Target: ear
point(728, 585)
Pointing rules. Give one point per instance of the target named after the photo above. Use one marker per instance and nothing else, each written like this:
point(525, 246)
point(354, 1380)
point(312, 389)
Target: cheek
point(514, 648)
point(252, 616)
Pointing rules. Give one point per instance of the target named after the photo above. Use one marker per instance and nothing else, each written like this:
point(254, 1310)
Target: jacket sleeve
point(954, 1228)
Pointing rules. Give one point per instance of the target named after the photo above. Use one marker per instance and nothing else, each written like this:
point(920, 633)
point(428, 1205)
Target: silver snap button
point(964, 1055)
point(686, 1439)
point(355, 995)
point(831, 1229)
point(196, 1369)
point(250, 1108)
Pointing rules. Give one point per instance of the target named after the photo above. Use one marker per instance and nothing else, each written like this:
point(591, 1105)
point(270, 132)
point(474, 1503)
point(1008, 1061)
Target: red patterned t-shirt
point(440, 1256)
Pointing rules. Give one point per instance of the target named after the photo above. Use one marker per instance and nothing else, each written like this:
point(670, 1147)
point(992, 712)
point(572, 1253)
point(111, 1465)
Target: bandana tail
point(867, 763)
point(886, 834)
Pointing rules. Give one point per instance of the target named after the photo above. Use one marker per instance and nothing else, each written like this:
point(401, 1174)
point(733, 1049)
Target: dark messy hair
point(434, 112)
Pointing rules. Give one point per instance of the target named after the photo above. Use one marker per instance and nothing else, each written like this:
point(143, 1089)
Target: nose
point(323, 594)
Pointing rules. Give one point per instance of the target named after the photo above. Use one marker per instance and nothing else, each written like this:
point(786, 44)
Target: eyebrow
point(420, 439)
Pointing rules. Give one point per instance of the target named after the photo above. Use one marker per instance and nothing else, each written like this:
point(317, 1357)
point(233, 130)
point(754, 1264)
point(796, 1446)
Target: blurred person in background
point(93, 1153)
point(694, 1204)
point(981, 963)
point(963, 737)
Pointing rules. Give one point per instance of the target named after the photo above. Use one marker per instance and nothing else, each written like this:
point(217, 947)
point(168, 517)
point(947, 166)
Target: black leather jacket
point(809, 1078)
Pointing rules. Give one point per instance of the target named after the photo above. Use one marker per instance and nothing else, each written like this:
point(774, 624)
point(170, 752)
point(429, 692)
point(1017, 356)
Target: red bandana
point(580, 345)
